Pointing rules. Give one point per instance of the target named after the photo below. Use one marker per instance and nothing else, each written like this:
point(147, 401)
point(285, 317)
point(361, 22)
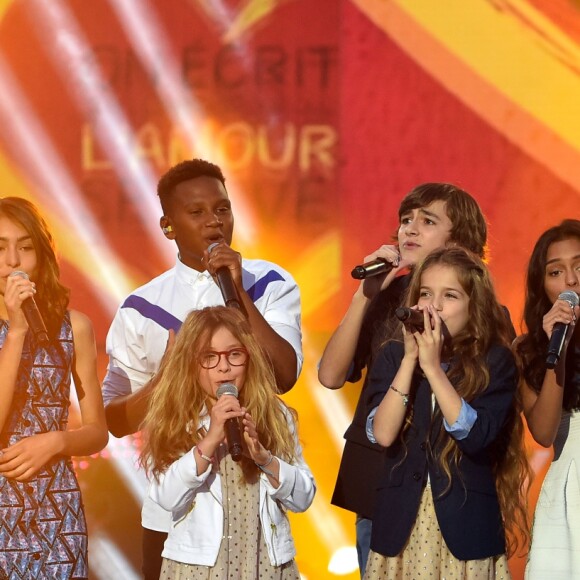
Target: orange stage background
point(323, 115)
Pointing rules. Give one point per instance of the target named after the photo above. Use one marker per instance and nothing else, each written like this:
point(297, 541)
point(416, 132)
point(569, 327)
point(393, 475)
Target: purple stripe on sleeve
point(153, 312)
point(257, 290)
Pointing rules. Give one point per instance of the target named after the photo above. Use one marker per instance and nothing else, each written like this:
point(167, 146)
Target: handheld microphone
point(560, 331)
point(226, 284)
point(411, 317)
point(232, 426)
point(373, 268)
point(32, 314)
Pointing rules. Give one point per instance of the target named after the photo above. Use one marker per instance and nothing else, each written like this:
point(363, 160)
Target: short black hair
point(184, 171)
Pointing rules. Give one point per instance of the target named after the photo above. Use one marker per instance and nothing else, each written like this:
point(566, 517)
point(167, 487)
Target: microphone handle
point(34, 320)
point(234, 437)
point(411, 317)
point(226, 285)
point(374, 268)
point(228, 288)
point(32, 314)
point(556, 344)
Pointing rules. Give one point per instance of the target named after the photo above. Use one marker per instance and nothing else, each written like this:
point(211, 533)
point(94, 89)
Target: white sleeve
point(135, 347)
point(282, 311)
point(297, 486)
point(178, 484)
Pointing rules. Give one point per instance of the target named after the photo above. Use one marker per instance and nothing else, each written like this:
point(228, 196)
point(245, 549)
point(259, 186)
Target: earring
point(167, 229)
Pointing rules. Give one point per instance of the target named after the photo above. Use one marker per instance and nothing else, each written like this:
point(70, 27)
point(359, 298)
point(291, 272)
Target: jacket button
point(423, 446)
point(416, 476)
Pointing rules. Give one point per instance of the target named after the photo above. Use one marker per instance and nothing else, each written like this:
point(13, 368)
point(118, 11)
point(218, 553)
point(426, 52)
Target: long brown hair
point(51, 296)
point(532, 347)
point(179, 402)
point(467, 352)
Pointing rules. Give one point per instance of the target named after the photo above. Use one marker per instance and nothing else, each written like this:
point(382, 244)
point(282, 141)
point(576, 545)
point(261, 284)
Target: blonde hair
point(487, 325)
point(179, 401)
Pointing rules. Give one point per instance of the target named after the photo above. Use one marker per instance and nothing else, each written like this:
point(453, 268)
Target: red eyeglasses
point(237, 357)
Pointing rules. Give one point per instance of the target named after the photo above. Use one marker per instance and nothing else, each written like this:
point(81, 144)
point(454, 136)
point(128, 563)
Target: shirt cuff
point(462, 426)
point(369, 428)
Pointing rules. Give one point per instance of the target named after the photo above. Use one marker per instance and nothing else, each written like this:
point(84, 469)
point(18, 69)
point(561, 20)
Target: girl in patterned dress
point(228, 517)
point(443, 403)
point(42, 525)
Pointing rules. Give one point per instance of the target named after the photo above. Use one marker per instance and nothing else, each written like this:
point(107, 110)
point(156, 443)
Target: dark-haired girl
point(551, 399)
point(43, 529)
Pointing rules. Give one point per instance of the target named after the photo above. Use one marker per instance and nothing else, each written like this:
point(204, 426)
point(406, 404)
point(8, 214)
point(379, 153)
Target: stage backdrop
point(322, 115)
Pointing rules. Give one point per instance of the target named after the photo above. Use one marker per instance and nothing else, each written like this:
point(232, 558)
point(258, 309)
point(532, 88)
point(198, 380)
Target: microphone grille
point(212, 246)
point(19, 273)
point(571, 297)
point(403, 313)
point(227, 389)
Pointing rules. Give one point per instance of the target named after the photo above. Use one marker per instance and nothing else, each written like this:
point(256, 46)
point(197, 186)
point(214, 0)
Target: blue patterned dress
point(43, 532)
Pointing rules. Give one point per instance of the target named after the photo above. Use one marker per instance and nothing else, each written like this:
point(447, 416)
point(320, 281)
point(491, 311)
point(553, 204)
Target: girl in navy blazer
point(443, 402)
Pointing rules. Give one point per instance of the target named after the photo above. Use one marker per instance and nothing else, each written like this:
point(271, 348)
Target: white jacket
point(195, 503)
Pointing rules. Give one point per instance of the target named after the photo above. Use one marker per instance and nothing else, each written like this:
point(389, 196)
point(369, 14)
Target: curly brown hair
point(487, 325)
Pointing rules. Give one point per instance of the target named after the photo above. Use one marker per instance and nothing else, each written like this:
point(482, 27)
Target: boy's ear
point(167, 228)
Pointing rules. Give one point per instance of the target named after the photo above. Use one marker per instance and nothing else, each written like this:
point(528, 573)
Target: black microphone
point(226, 284)
point(232, 426)
point(373, 268)
point(560, 331)
point(32, 314)
point(411, 317)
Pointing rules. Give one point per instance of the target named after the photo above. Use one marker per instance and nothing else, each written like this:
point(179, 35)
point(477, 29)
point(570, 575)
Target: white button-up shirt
point(139, 332)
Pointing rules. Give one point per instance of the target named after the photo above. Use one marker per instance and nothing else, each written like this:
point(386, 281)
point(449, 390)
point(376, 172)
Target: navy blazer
point(468, 510)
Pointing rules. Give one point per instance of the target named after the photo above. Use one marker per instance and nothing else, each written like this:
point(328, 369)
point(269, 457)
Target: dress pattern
point(243, 554)
point(43, 532)
point(426, 555)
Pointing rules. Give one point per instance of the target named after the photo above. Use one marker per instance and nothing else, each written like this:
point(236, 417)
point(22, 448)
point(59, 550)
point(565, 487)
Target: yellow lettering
point(178, 148)
point(88, 160)
point(316, 144)
point(235, 146)
point(236, 143)
point(182, 146)
point(148, 144)
point(286, 142)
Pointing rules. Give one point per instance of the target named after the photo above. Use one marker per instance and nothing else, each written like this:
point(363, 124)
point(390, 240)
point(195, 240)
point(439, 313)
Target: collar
point(190, 275)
